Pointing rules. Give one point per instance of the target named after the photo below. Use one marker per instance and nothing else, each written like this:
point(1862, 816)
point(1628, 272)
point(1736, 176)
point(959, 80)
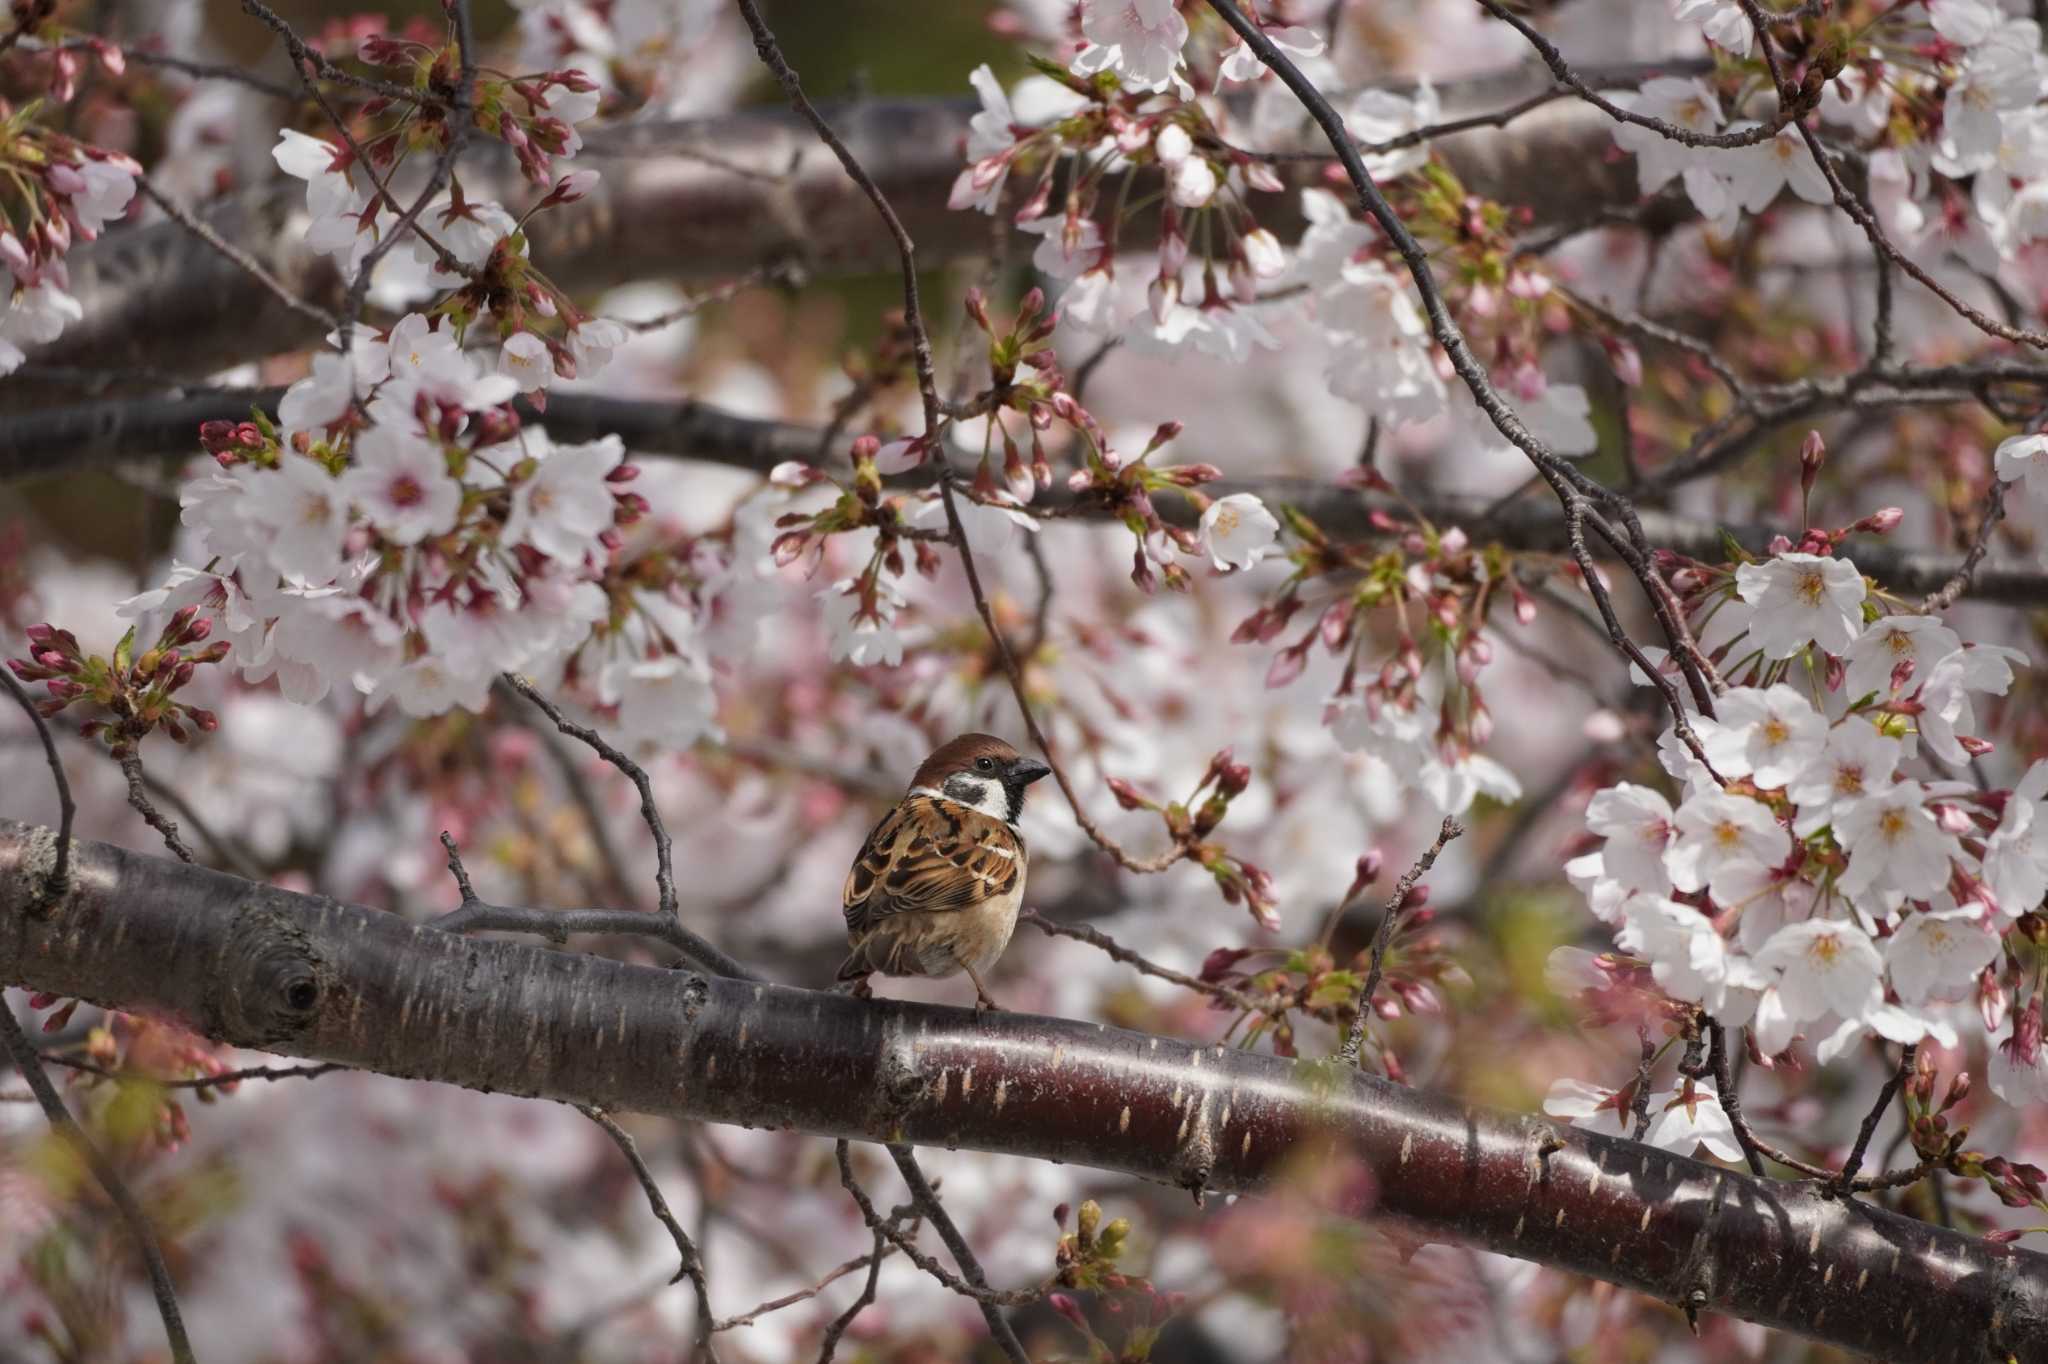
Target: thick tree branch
point(313, 978)
point(67, 439)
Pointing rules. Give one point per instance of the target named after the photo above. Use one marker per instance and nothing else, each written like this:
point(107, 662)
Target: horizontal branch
point(67, 439)
point(708, 199)
point(309, 977)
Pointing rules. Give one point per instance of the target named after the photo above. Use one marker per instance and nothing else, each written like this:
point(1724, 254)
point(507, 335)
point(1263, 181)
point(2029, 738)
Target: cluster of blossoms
point(1938, 94)
point(1028, 398)
point(1410, 695)
point(420, 543)
point(1799, 881)
point(633, 49)
point(1141, 94)
point(359, 188)
point(58, 191)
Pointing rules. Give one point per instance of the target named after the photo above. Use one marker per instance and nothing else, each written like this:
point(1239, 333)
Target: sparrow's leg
point(983, 1001)
point(860, 988)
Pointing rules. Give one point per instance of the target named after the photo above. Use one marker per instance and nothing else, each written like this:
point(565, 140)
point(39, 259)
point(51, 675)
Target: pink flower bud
point(1813, 452)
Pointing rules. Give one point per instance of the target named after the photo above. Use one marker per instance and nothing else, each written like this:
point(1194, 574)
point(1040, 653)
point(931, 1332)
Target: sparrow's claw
point(984, 1002)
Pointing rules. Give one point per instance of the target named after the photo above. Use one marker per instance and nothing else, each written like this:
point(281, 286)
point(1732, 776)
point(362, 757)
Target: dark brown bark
point(66, 439)
point(305, 976)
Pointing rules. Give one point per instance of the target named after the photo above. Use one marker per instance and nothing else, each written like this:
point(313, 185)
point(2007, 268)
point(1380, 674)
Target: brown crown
point(958, 755)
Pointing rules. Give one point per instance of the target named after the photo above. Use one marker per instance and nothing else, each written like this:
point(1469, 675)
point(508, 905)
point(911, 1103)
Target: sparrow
point(936, 887)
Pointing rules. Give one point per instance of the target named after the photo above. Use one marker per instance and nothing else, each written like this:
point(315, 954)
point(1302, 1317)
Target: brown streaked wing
point(928, 856)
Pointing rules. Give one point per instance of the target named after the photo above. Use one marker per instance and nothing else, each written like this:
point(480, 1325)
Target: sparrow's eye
point(985, 764)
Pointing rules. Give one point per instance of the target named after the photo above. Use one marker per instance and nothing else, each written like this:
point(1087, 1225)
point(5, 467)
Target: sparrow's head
point(981, 771)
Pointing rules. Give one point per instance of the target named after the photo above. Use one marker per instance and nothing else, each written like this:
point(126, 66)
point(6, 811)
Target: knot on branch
point(270, 981)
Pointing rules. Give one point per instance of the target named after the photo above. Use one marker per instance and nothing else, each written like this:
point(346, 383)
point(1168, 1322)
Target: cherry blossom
point(401, 483)
point(1726, 845)
point(1802, 599)
point(667, 702)
point(1689, 957)
point(1637, 824)
point(1140, 40)
point(1895, 846)
point(565, 502)
point(1822, 967)
point(1856, 761)
point(1237, 531)
point(2016, 853)
point(1685, 103)
point(1383, 116)
point(1771, 735)
point(1723, 22)
point(1936, 954)
point(1243, 64)
point(861, 635)
point(300, 514)
point(1890, 642)
point(2022, 457)
point(980, 185)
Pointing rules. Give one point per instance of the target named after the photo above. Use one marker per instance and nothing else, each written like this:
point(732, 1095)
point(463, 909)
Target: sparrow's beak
point(1024, 771)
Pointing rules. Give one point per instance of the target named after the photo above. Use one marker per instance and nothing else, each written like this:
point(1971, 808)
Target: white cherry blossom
point(1936, 954)
point(1895, 846)
point(1636, 822)
point(1243, 64)
point(1727, 845)
point(1378, 116)
point(2016, 853)
point(1802, 599)
point(1237, 531)
point(1823, 966)
point(567, 502)
point(1771, 735)
point(401, 483)
point(2022, 457)
point(863, 640)
point(1890, 641)
point(1723, 22)
point(665, 702)
point(1856, 761)
point(1140, 40)
point(300, 514)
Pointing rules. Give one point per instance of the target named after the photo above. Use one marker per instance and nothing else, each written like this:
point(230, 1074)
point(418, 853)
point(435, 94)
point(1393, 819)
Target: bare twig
point(228, 1077)
point(1943, 597)
point(1355, 1038)
point(1097, 938)
point(926, 1199)
point(1846, 1180)
point(30, 1064)
point(664, 864)
point(241, 258)
point(480, 916)
point(771, 57)
point(138, 796)
point(309, 63)
point(692, 1266)
point(829, 1345)
point(987, 1297)
point(59, 879)
point(883, 1250)
point(185, 66)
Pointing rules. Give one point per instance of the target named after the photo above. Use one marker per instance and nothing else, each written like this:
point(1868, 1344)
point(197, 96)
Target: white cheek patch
point(987, 797)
